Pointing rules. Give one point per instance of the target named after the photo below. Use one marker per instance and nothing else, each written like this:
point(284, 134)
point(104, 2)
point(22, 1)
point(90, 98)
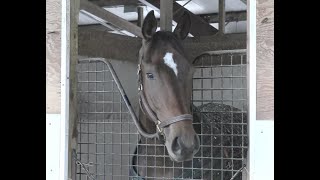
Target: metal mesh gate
point(107, 136)
point(220, 98)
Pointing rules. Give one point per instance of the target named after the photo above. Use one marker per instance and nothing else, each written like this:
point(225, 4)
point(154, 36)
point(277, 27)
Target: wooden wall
point(265, 59)
point(53, 56)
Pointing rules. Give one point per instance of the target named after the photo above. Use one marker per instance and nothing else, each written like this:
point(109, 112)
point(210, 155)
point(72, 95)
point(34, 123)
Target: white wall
point(52, 146)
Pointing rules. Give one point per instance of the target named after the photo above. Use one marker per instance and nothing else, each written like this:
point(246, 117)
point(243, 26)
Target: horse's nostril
point(176, 145)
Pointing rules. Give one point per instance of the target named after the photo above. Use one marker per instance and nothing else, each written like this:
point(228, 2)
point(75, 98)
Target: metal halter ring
point(159, 129)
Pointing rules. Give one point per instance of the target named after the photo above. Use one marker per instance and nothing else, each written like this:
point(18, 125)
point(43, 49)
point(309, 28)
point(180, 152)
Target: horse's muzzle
point(184, 148)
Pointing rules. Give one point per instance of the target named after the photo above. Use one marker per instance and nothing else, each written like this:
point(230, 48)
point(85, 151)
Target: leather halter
point(146, 109)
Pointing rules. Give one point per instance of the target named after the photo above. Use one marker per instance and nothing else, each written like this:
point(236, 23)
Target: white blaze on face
point(168, 60)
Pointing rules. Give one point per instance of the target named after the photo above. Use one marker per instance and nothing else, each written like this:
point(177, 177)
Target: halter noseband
point(146, 109)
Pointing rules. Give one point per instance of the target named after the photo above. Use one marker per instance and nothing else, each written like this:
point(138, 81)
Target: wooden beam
point(110, 17)
point(209, 18)
point(265, 59)
point(98, 43)
point(230, 17)
point(199, 27)
point(140, 16)
point(166, 15)
point(103, 3)
point(244, 1)
point(53, 56)
point(222, 16)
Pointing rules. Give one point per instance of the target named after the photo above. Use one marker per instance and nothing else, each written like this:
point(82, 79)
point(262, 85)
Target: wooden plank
point(265, 59)
point(69, 115)
point(222, 16)
point(53, 29)
point(110, 17)
point(98, 43)
point(73, 108)
point(166, 15)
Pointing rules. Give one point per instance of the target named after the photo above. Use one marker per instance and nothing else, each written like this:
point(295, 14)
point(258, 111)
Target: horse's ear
point(183, 27)
point(149, 25)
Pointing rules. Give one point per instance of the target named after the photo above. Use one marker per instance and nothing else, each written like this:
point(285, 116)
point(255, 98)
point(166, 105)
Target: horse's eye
point(150, 76)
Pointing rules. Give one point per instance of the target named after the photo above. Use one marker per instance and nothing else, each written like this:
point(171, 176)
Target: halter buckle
point(139, 69)
point(157, 125)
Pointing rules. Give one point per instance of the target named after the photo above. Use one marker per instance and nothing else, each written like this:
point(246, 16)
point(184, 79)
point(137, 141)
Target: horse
point(165, 87)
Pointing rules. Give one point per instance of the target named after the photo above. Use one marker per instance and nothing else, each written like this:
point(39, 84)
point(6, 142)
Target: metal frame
point(65, 68)
point(251, 59)
point(69, 55)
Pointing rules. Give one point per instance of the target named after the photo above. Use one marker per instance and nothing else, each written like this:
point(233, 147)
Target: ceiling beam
point(230, 17)
point(209, 18)
point(103, 3)
point(99, 43)
point(110, 17)
point(199, 27)
point(244, 1)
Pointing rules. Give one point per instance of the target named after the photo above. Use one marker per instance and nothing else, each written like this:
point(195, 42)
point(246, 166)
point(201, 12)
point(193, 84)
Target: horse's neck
point(149, 147)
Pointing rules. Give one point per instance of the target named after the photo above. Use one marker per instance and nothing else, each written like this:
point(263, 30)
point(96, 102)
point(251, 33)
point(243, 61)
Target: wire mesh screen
point(107, 136)
point(220, 100)
point(108, 139)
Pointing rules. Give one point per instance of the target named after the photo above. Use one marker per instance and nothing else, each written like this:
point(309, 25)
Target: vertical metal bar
point(120, 98)
point(88, 117)
point(80, 135)
point(211, 125)
point(222, 16)
point(166, 15)
point(221, 129)
point(104, 124)
point(96, 134)
point(232, 67)
point(201, 119)
point(112, 110)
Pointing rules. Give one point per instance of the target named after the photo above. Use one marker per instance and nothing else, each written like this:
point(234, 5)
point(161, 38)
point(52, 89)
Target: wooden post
point(166, 15)
point(140, 16)
point(69, 115)
point(222, 16)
